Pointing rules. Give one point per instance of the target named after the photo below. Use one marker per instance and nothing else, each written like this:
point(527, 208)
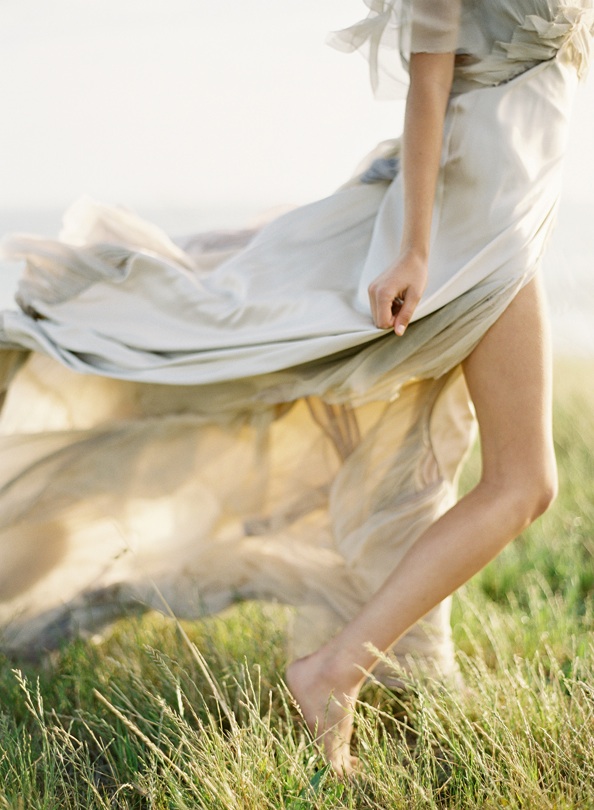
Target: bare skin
point(512, 401)
point(326, 684)
point(430, 84)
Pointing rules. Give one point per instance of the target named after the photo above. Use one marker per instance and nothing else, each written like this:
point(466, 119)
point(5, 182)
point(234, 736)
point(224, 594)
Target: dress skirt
point(184, 427)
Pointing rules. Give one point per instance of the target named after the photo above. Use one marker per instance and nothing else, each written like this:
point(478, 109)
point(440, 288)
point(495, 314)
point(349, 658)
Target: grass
point(163, 716)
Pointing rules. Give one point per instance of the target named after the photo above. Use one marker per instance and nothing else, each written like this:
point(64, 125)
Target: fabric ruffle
point(392, 30)
point(565, 34)
point(381, 38)
point(569, 36)
point(225, 421)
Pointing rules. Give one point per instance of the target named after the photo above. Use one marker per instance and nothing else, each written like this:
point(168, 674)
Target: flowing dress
point(187, 426)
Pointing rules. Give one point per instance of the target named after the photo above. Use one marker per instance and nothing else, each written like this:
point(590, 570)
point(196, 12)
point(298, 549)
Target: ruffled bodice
point(495, 40)
point(516, 36)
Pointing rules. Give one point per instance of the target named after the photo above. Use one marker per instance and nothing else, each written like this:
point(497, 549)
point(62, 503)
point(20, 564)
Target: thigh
point(509, 379)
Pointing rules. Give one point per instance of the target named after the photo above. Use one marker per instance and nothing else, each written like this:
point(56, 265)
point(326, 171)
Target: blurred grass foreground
point(162, 716)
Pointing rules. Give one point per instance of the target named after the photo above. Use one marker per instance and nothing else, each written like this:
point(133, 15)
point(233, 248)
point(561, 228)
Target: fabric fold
point(193, 426)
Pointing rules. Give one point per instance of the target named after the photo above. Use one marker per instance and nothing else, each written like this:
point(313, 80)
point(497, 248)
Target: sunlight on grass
point(160, 715)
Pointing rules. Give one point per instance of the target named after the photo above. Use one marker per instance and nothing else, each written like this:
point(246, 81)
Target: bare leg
point(508, 376)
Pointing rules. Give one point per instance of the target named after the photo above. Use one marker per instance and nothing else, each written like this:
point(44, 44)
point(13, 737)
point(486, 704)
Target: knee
point(534, 493)
point(544, 494)
point(525, 493)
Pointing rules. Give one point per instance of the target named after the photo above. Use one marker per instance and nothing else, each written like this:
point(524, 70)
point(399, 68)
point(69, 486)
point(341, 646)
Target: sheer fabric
point(496, 39)
point(220, 420)
point(393, 30)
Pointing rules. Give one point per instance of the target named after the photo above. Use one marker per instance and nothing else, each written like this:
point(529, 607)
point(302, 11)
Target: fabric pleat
point(187, 425)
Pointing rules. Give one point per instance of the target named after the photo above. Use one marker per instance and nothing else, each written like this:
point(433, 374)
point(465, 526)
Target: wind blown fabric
point(191, 425)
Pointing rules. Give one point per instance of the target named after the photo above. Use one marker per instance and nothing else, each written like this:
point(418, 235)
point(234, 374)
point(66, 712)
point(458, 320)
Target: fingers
point(406, 311)
point(381, 300)
point(394, 294)
point(391, 311)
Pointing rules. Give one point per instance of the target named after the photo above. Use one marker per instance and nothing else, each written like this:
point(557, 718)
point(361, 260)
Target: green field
point(163, 716)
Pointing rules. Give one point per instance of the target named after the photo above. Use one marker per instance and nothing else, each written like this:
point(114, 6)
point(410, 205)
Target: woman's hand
point(395, 294)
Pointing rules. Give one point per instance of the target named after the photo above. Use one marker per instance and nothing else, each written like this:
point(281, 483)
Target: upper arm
point(435, 26)
point(432, 70)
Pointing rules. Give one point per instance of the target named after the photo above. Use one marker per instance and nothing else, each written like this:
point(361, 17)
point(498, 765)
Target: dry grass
point(160, 717)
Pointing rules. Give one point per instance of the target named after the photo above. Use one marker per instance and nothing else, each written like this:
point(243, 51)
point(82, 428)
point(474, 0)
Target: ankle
point(332, 668)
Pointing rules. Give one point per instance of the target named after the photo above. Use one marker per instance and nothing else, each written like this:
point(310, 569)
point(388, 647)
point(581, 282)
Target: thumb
point(411, 299)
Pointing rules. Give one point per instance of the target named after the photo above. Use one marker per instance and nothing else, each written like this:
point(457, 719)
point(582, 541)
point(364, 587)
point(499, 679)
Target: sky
point(204, 113)
point(170, 102)
point(225, 107)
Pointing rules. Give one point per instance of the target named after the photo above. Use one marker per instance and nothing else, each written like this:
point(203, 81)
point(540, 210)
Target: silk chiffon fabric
point(188, 425)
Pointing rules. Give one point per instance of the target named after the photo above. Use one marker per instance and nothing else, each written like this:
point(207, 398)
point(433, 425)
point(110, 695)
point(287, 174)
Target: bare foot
point(327, 711)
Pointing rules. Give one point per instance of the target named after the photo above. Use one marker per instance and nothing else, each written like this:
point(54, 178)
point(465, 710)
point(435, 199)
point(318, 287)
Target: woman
point(307, 451)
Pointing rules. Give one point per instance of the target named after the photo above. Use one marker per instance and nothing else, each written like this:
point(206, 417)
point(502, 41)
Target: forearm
point(395, 293)
point(430, 85)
